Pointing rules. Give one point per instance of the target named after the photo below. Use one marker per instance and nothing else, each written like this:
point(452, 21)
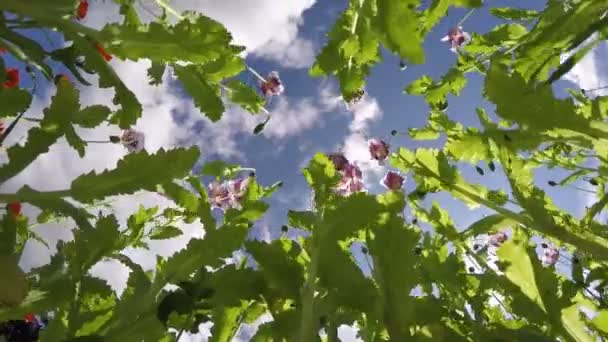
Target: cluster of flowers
point(550, 255)
point(229, 194)
point(351, 177)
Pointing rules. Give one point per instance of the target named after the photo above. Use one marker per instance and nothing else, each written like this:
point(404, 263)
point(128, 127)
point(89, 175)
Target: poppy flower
point(378, 149)
point(351, 181)
point(393, 180)
point(3, 50)
point(457, 38)
point(550, 256)
point(83, 9)
point(498, 239)
point(14, 208)
point(272, 86)
point(133, 140)
point(12, 78)
point(339, 160)
point(103, 52)
point(228, 195)
point(30, 317)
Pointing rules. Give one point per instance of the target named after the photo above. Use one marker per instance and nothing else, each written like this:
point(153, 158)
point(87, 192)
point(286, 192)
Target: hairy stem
point(307, 323)
point(30, 196)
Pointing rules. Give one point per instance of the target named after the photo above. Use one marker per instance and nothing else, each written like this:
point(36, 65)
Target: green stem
point(98, 141)
point(181, 331)
point(32, 196)
point(353, 28)
point(169, 9)
point(307, 323)
point(332, 332)
point(595, 245)
point(32, 119)
point(462, 21)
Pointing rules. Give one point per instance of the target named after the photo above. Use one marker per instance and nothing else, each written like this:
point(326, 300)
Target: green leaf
point(225, 323)
point(14, 101)
point(510, 13)
point(217, 244)
point(26, 49)
point(278, 264)
point(487, 224)
point(206, 96)
point(391, 249)
point(92, 116)
point(245, 96)
point(321, 175)
point(165, 232)
point(137, 171)
point(14, 286)
point(196, 39)
point(90, 246)
point(519, 269)
point(74, 140)
point(301, 219)
point(231, 286)
point(57, 206)
point(220, 169)
point(52, 127)
point(156, 72)
point(526, 105)
point(600, 321)
point(398, 25)
point(131, 109)
point(204, 207)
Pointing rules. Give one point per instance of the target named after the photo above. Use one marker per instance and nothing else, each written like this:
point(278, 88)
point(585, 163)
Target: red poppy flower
point(3, 50)
point(103, 52)
point(30, 317)
point(83, 8)
point(15, 208)
point(12, 78)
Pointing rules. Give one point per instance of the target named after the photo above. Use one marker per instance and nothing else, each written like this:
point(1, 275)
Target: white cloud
point(297, 54)
point(289, 119)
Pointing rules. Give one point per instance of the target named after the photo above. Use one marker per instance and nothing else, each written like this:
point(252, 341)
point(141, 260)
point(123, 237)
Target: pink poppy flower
point(339, 160)
point(497, 239)
point(237, 189)
point(378, 149)
point(219, 195)
point(392, 180)
point(228, 195)
point(351, 181)
point(457, 38)
point(133, 140)
point(273, 85)
point(550, 256)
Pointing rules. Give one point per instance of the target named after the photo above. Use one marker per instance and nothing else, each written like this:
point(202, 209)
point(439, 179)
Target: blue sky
point(309, 117)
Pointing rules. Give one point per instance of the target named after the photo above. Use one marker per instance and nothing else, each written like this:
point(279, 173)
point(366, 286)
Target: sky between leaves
point(309, 117)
